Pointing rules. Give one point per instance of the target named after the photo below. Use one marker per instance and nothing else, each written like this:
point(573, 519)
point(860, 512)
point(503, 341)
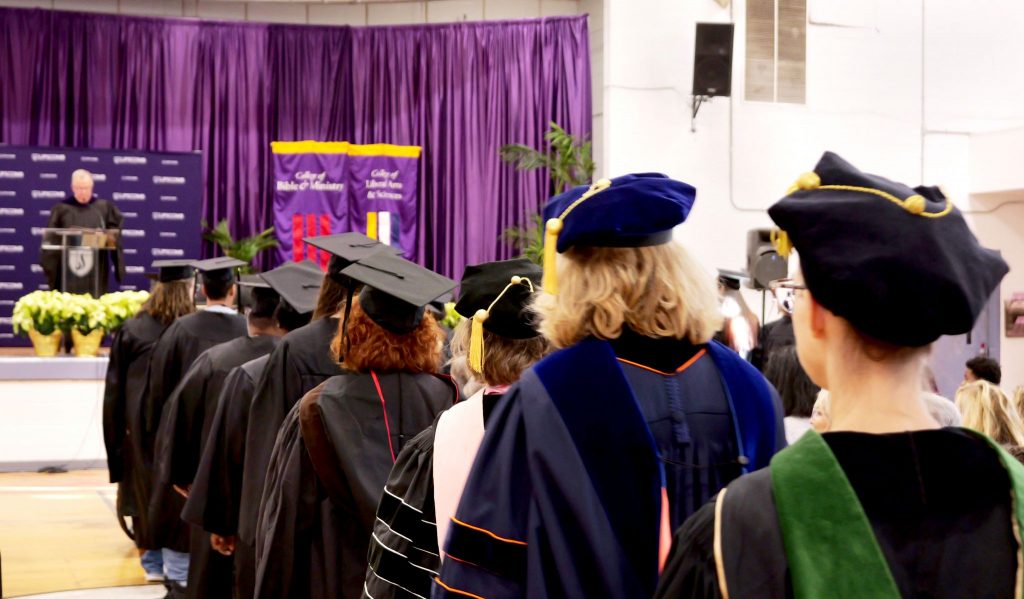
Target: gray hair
point(81, 174)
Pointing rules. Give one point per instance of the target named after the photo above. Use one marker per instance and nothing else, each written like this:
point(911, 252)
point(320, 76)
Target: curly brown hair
point(331, 298)
point(374, 348)
point(170, 300)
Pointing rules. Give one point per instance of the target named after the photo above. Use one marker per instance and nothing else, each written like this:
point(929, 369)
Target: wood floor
point(59, 532)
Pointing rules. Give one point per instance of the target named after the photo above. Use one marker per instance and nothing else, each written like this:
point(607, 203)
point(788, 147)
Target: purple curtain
point(228, 89)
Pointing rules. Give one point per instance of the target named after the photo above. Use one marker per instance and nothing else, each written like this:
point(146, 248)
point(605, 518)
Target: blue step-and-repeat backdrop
point(160, 195)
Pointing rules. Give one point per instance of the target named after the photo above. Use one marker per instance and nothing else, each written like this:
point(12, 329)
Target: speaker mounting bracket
point(695, 108)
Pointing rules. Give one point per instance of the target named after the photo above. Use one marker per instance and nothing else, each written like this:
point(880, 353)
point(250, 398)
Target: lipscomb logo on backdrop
point(135, 270)
point(130, 178)
point(129, 160)
point(36, 268)
point(168, 252)
point(48, 157)
point(12, 212)
point(130, 214)
point(12, 249)
point(7, 193)
point(99, 177)
point(167, 162)
point(123, 196)
point(166, 180)
point(8, 156)
point(12, 174)
point(8, 230)
point(90, 159)
point(47, 194)
point(168, 198)
point(7, 267)
point(133, 233)
point(168, 216)
point(11, 286)
point(47, 175)
point(168, 234)
point(130, 251)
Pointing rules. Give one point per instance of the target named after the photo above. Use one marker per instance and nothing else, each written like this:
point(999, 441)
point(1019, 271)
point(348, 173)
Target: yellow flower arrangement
point(50, 311)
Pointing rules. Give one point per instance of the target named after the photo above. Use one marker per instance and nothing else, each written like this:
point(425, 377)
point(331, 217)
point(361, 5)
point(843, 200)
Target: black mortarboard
point(899, 264)
point(629, 211)
point(732, 279)
point(298, 283)
point(347, 248)
point(218, 269)
point(174, 270)
point(396, 290)
point(496, 296)
point(502, 290)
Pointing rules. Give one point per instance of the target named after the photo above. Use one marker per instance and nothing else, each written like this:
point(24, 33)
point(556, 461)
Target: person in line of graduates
point(212, 504)
point(602, 447)
point(300, 362)
point(173, 354)
point(129, 458)
point(424, 487)
point(188, 415)
point(338, 444)
point(886, 504)
point(986, 409)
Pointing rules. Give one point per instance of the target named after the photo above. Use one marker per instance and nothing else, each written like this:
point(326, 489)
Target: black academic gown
point(939, 503)
point(326, 475)
point(129, 458)
point(187, 417)
point(403, 555)
point(179, 346)
point(97, 214)
point(300, 362)
point(213, 500)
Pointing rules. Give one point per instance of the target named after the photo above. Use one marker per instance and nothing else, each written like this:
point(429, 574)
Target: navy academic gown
point(565, 497)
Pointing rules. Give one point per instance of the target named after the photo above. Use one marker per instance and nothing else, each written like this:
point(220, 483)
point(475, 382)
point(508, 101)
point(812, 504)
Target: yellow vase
point(87, 345)
point(46, 346)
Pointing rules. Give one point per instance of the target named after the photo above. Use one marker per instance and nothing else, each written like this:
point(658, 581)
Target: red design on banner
point(311, 232)
point(325, 229)
point(297, 245)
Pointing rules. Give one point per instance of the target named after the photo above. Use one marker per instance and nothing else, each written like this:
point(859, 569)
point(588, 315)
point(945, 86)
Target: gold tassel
point(551, 231)
point(476, 341)
point(780, 239)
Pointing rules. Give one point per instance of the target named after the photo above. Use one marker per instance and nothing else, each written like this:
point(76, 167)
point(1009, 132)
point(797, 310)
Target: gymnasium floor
point(58, 532)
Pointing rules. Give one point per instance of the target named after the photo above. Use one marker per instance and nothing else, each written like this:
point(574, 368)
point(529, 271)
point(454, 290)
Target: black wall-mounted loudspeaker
point(712, 60)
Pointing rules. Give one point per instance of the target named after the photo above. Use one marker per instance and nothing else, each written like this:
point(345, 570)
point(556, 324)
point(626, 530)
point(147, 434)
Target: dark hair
point(263, 302)
point(986, 369)
point(331, 298)
point(795, 388)
point(216, 288)
point(289, 319)
point(167, 301)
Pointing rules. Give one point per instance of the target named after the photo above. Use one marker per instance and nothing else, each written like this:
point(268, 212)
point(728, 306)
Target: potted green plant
point(39, 315)
point(569, 162)
point(85, 317)
point(244, 249)
point(120, 306)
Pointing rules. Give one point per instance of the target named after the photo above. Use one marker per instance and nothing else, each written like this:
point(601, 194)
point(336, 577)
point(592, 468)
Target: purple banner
point(322, 188)
point(159, 195)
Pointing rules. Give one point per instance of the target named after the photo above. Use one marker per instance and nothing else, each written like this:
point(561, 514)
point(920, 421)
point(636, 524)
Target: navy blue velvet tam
point(899, 264)
point(629, 211)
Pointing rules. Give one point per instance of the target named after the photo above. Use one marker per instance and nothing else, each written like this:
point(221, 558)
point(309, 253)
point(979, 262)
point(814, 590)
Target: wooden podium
point(81, 256)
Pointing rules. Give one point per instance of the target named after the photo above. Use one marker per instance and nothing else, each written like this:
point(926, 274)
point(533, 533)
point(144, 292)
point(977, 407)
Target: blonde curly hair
point(657, 291)
point(986, 409)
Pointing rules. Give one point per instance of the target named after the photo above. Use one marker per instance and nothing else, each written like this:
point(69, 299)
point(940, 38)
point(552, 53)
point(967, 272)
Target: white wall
point(896, 87)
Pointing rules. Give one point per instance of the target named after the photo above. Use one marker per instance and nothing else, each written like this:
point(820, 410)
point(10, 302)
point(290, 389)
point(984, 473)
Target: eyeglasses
point(784, 291)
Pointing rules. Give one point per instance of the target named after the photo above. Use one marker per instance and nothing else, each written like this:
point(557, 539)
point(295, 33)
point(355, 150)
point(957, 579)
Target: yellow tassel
point(551, 231)
point(476, 341)
point(780, 239)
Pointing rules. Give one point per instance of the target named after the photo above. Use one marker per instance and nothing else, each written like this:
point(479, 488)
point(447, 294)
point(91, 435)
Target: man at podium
point(87, 269)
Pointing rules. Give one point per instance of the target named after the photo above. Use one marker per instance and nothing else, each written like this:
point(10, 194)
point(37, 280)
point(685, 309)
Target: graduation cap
point(298, 283)
point(396, 290)
point(630, 211)
point(732, 279)
point(218, 269)
point(496, 296)
point(174, 270)
point(346, 249)
point(899, 264)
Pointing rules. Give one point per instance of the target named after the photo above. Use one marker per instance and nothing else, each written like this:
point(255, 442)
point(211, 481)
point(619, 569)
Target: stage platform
point(51, 412)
